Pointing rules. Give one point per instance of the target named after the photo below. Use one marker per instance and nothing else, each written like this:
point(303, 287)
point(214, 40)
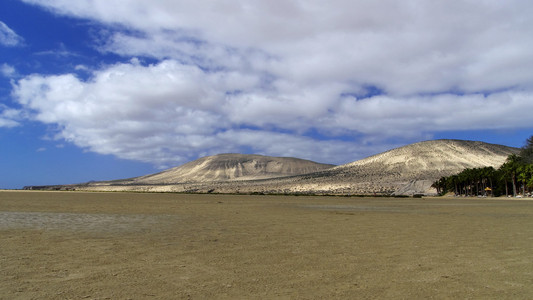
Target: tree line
point(514, 177)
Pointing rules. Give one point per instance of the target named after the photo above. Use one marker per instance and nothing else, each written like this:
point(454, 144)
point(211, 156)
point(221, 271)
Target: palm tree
point(487, 175)
point(530, 179)
point(455, 181)
point(510, 168)
point(524, 175)
point(440, 186)
point(436, 186)
point(526, 153)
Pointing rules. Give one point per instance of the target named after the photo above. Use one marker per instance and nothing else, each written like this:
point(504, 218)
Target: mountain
point(230, 167)
point(410, 169)
point(406, 170)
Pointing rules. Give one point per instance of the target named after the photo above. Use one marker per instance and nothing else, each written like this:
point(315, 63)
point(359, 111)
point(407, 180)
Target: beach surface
point(75, 245)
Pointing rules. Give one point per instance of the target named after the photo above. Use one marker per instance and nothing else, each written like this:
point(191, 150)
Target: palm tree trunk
point(506, 189)
point(514, 184)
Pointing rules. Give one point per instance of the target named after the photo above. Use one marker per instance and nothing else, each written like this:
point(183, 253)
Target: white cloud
point(402, 47)
point(265, 75)
point(8, 37)
point(7, 70)
point(170, 113)
point(9, 117)
point(405, 116)
point(60, 51)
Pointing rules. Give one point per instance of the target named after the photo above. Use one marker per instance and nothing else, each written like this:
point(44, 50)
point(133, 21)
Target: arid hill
point(406, 170)
point(410, 169)
point(229, 167)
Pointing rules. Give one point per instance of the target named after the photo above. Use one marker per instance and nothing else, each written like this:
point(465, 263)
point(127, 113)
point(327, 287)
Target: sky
point(109, 89)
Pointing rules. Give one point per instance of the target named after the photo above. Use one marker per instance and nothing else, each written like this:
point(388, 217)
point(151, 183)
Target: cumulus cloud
point(169, 113)
point(7, 70)
point(8, 37)
point(9, 117)
point(325, 81)
point(406, 47)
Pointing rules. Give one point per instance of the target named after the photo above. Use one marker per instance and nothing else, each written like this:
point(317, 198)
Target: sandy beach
point(73, 245)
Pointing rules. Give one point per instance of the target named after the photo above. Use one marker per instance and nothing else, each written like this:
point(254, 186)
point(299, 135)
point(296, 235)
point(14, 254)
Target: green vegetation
point(514, 177)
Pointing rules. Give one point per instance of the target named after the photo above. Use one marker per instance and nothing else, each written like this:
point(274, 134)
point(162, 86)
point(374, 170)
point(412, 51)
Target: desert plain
point(76, 245)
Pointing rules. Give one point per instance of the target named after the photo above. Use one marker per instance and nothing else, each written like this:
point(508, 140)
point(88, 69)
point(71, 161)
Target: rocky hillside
point(229, 167)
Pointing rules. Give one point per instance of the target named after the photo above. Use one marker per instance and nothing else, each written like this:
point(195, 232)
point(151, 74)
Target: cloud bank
point(332, 82)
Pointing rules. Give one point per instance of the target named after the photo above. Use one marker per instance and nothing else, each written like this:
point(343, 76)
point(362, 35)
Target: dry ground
point(71, 245)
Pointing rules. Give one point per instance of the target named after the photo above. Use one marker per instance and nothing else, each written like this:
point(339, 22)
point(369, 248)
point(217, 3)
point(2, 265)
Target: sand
point(73, 245)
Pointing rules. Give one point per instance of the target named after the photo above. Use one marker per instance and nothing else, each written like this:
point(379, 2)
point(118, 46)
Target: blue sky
point(96, 90)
